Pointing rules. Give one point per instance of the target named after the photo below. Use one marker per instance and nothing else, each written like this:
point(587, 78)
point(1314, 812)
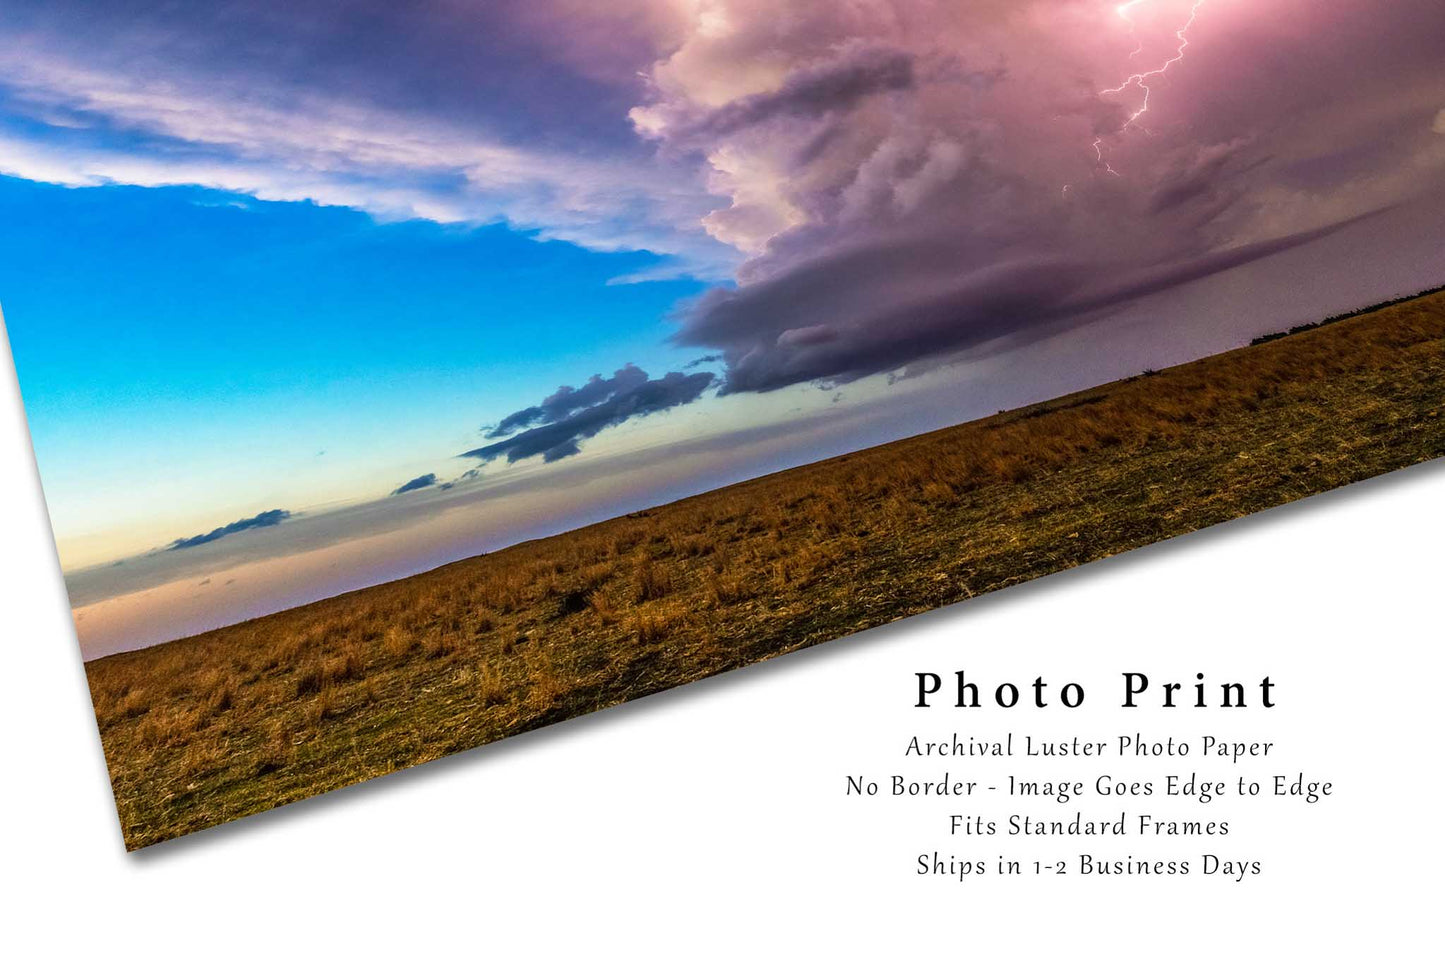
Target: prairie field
point(243, 719)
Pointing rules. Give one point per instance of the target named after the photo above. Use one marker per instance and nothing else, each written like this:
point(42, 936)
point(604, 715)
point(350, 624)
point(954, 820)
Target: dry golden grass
point(239, 720)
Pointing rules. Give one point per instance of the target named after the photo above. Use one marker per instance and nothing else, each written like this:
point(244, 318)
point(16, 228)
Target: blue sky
point(187, 336)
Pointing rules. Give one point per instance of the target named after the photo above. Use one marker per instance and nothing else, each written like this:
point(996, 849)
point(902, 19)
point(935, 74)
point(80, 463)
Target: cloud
point(262, 520)
point(773, 340)
point(882, 181)
point(810, 91)
point(554, 428)
point(566, 400)
point(420, 482)
point(913, 180)
point(135, 97)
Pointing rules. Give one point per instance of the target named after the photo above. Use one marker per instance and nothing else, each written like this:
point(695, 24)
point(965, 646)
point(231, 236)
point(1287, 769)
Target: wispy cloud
point(93, 122)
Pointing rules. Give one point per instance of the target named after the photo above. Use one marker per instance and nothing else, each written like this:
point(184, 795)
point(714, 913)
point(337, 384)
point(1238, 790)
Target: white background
point(711, 822)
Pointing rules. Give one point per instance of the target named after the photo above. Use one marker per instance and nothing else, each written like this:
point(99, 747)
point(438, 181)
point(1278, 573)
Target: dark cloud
point(897, 304)
point(516, 421)
point(566, 400)
point(260, 521)
point(813, 91)
point(420, 482)
point(979, 206)
point(436, 52)
point(571, 415)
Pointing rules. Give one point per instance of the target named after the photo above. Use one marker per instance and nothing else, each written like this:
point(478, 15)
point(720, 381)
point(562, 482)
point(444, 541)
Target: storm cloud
point(774, 338)
point(554, 428)
point(420, 482)
point(837, 84)
point(261, 520)
point(869, 186)
point(1039, 173)
point(754, 141)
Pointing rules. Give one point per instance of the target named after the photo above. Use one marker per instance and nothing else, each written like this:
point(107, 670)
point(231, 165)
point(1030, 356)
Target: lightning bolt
point(1101, 160)
point(1125, 12)
point(1144, 80)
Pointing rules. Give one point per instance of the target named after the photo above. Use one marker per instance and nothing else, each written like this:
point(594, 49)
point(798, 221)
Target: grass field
point(232, 722)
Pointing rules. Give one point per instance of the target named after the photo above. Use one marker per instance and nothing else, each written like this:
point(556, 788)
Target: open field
point(239, 720)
